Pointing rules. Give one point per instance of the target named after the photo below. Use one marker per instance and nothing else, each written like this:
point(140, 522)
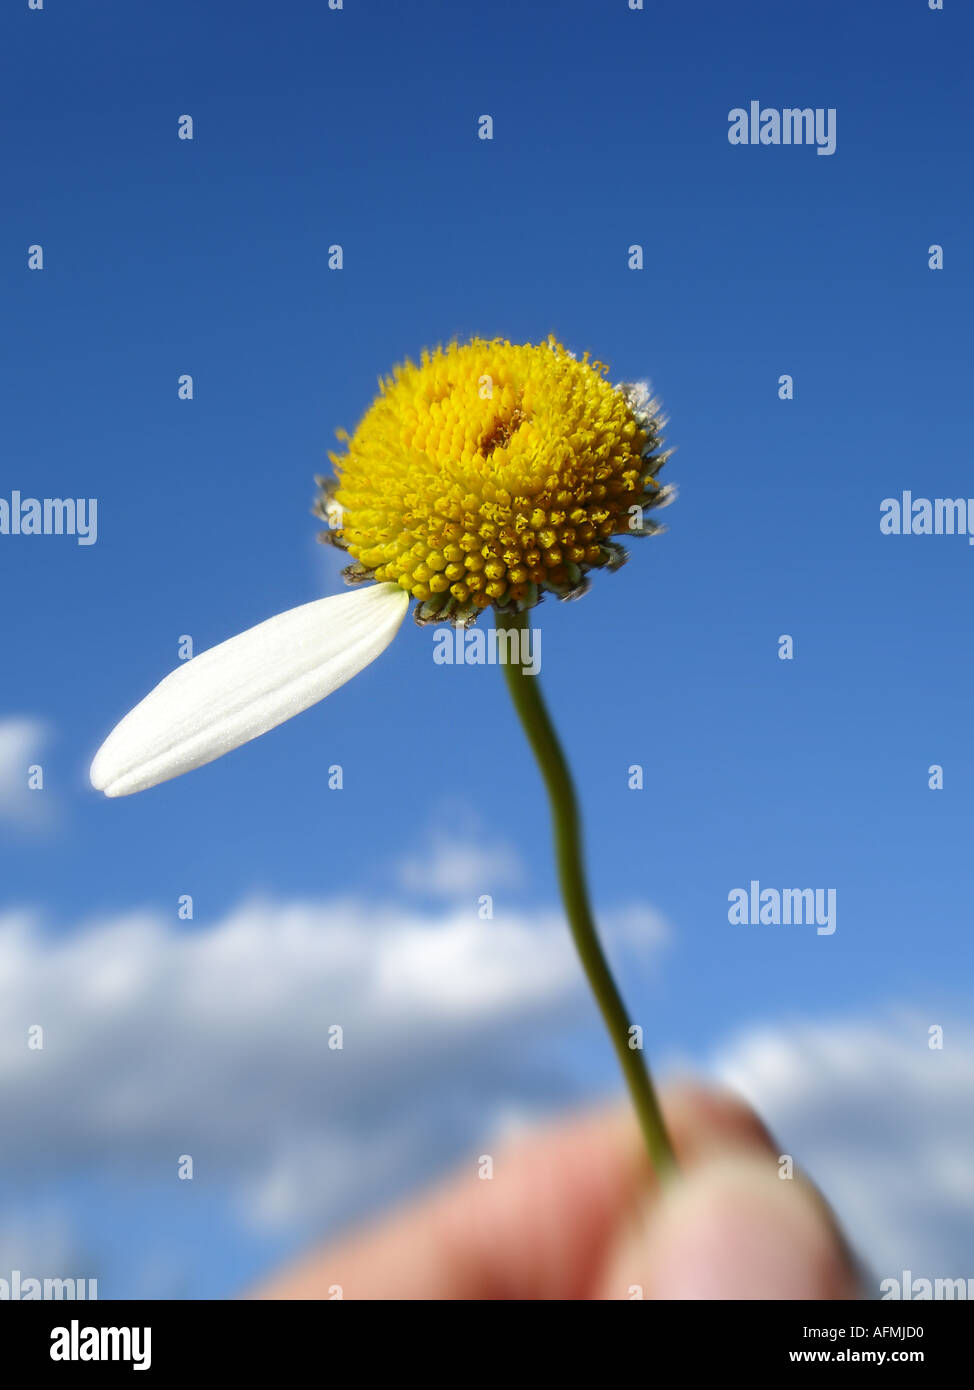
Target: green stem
point(566, 824)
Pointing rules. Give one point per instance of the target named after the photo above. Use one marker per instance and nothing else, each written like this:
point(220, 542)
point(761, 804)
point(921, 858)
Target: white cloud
point(883, 1123)
point(164, 1038)
point(451, 869)
point(21, 741)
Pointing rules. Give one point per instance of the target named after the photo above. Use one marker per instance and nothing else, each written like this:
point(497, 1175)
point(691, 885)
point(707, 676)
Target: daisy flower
point(487, 476)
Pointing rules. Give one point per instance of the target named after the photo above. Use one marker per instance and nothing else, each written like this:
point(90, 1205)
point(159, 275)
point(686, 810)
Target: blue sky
point(210, 257)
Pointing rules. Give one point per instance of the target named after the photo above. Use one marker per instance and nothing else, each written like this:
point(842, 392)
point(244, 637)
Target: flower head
point(484, 476)
point(492, 472)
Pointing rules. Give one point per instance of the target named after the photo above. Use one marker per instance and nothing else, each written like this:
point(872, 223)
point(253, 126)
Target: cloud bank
point(164, 1038)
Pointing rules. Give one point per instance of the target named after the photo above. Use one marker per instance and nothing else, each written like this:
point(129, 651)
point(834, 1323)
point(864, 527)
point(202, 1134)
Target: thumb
point(733, 1229)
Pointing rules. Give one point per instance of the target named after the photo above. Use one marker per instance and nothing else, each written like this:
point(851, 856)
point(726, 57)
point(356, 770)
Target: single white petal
point(247, 685)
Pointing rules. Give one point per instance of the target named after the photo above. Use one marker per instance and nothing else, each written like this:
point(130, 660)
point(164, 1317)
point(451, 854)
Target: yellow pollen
point(491, 469)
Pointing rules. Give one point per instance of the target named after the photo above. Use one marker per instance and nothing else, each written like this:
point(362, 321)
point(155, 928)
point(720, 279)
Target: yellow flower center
point(491, 472)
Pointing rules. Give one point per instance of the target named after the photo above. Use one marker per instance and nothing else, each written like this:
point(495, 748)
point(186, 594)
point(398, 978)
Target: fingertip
point(734, 1229)
point(707, 1119)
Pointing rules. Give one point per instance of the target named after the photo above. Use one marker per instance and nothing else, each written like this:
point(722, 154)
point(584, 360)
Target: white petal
point(247, 685)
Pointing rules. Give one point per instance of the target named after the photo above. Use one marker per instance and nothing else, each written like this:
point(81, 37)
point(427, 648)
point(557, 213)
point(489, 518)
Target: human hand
point(573, 1212)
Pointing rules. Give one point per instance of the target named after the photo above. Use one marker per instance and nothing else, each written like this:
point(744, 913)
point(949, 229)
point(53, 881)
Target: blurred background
point(167, 1036)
